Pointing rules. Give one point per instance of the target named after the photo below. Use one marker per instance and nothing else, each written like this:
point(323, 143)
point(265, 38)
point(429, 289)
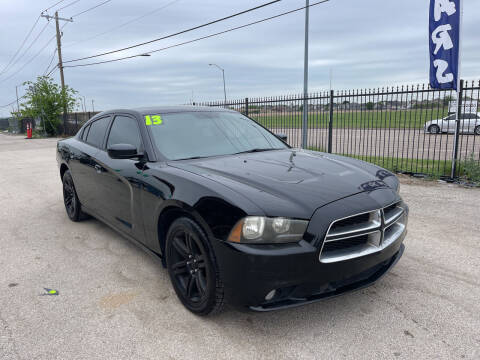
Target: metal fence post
point(246, 106)
point(330, 124)
point(457, 130)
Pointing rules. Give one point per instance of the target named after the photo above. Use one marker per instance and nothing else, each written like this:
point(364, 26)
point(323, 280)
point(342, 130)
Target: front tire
point(477, 130)
point(70, 198)
point(434, 129)
point(192, 268)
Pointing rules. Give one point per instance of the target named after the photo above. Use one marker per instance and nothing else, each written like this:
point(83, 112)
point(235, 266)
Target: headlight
point(263, 230)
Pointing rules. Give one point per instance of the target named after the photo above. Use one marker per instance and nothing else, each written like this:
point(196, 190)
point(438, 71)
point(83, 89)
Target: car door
point(85, 167)
point(120, 179)
point(467, 124)
point(449, 123)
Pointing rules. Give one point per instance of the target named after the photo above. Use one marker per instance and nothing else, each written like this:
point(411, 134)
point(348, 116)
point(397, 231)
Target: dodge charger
point(232, 211)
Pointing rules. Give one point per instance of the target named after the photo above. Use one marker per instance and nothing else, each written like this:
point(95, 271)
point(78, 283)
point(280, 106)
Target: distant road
point(409, 143)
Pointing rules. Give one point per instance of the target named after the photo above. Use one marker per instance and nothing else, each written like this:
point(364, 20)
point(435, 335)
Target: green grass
point(432, 168)
point(413, 119)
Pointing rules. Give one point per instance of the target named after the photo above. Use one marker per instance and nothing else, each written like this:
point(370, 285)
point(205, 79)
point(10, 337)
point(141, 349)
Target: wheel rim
point(188, 266)
point(69, 196)
point(477, 130)
point(434, 129)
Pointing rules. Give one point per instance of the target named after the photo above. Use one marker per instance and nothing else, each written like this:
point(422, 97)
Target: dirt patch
point(114, 301)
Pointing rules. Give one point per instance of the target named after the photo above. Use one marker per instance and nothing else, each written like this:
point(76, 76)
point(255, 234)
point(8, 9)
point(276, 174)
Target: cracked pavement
point(116, 302)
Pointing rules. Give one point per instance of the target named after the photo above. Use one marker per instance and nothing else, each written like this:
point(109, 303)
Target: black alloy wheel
point(70, 199)
point(434, 129)
point(192, 268)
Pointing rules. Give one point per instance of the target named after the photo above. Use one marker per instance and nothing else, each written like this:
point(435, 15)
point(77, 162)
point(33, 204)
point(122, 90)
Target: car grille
point(363, 234)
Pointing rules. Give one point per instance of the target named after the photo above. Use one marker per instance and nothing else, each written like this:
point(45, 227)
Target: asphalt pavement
point(113, 301)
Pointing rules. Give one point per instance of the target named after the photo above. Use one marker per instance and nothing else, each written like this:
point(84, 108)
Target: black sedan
point(233, 212)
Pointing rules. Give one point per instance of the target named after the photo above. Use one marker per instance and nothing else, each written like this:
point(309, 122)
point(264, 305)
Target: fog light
point(270, 295)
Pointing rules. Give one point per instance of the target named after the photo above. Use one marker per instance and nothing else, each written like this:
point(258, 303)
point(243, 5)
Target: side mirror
point(282, 137)
point(122, 151)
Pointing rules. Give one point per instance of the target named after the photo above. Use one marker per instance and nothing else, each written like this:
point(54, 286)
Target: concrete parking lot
point(116, 302)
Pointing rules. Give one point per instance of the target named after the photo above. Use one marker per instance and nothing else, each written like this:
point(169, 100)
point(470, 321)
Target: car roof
point(168, 109)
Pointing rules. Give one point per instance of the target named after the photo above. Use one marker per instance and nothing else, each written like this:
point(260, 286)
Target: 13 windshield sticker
point(153, 120)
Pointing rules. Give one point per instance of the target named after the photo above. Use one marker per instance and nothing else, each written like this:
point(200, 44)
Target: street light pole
point(305, 81)
point(224, 87)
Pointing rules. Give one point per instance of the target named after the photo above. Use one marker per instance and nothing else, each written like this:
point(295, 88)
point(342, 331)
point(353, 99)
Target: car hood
point(290, 182)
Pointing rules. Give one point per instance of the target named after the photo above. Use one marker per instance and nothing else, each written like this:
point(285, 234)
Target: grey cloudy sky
point(366, 43)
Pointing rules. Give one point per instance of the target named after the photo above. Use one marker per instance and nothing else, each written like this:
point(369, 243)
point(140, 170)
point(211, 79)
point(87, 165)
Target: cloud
point(366, 44)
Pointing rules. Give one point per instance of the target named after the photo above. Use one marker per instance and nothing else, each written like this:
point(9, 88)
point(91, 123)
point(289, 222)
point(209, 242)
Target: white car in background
point(469, 124)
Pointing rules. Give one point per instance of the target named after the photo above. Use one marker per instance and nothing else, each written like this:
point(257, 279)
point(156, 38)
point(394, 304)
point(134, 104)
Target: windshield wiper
point(256, 150)
point(241, 152)
point(192, 158)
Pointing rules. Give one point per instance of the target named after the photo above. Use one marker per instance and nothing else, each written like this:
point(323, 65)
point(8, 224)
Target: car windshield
point(187, 135)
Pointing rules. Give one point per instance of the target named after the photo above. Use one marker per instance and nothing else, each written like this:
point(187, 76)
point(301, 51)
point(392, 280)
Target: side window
point(124, 131)
point(451, 117)
point(97, 132)
point(85, 133)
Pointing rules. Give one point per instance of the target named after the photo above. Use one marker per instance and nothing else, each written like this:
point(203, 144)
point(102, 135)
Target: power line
point(58, 2)
point(28, 48)
point(124, 24)
point(13, 102)
point(93, 7)
point(52, 70)
point(28, 35)
point(72, 3)
point(33, 58)
point(203, 37)
point(21, 45)
point(178, 33)
point(28, 62)
point(51, 60)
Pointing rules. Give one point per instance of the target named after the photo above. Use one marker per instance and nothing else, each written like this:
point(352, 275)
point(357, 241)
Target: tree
point(44, 99)
point(370, 105)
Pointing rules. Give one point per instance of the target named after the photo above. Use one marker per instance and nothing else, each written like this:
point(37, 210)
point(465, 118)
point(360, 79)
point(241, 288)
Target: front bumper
point(250, 272)
point(298, 277)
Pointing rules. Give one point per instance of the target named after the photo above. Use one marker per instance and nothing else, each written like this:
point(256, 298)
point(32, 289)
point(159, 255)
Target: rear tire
point(192, 268)
point(70, 198)
point(434, 129)
point(477, 130)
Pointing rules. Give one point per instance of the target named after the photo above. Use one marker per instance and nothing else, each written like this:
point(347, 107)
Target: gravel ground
point(116, 302)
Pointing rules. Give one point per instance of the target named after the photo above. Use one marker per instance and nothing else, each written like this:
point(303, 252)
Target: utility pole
point(93, 106)
point(60, 63)
point(305, 81)
point(16, 92)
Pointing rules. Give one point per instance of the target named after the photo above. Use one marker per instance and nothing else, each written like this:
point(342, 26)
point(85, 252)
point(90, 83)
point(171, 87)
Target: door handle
point(98, 168)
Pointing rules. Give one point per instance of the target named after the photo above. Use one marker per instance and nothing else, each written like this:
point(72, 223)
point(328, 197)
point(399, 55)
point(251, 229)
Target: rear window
point(97, 132)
